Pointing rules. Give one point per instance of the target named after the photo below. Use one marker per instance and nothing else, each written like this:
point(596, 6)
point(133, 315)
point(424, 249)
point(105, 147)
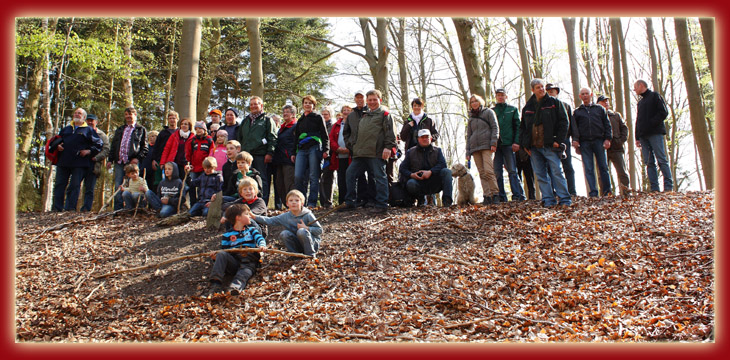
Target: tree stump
point(213, 221)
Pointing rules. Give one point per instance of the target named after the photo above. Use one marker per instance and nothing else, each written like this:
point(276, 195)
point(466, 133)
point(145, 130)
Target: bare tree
point(257, 72)
point(708, 36)
point(569, 24)
point(472, 63)
point(519, 27)
point(127, 48)
point(652, 55)
point(584, 35)
point(377, 58)
point(186, 87)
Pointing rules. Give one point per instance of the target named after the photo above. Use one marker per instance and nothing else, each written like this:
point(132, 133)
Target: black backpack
point(399, 196)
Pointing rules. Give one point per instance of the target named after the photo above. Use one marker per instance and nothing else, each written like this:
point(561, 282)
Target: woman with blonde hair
point(482, 134)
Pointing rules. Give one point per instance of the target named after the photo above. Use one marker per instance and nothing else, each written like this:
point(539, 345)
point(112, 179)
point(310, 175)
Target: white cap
point(359, 92)
point(424, 132)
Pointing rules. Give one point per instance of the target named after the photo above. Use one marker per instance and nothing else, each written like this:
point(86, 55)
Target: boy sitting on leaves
point(248, 190)
point(135, 188)
point(243, 235)
point(208, 184)
point(298, 237)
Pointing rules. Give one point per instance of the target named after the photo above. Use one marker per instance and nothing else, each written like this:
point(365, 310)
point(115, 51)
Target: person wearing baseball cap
point(365, 189)
point(93, 172)
point(508, 119)
point(615, 154)
point(566, 160)
point(424, 167)
point(215, 118)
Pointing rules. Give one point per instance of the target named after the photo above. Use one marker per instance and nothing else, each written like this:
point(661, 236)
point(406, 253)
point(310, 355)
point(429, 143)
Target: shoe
point(380, 210)
point(496, 199)
point(236, 287)
point(487, 200)
point(446, 201)
point(348, 207)
point(215, 287)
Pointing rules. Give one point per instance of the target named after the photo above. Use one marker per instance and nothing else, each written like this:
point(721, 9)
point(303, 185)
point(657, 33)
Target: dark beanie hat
point(232, 109)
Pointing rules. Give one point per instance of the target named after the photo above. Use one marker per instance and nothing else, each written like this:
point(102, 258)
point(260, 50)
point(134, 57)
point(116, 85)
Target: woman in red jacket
point(176, 149)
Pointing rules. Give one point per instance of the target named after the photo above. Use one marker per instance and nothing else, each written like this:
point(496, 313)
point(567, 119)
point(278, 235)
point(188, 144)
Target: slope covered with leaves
point(602, 270)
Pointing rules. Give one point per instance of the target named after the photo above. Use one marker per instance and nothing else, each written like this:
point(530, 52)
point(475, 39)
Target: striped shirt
point(248, 237)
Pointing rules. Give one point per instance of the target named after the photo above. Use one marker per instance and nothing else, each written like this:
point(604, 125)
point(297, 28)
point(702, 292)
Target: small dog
point(464, 186)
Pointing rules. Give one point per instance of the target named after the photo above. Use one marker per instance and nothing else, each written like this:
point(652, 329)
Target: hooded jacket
point(370, 135)
point(199, 149)
point(482, 131)
point(591, 123)
point(208, 185)
point(409, 134)
point(551, 113)
point(650, 114)
point(170, 187)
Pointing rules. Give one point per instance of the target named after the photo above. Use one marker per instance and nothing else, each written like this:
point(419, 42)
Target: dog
point(464, 185)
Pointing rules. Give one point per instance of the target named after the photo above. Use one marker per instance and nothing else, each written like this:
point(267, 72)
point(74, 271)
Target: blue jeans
point(376, 168)
point(568, 168)
point(89, 184)
point(302, 242)
point(307, 168)
point(260, 164)
point(131, 199)
point(155, 203)
point(505, 157)
point(588, 150)
point(193, 190)
point(118, 178)
point(63, 187)
point(653, 146)
point(198, 209)
point(432, 185)
point(546, 165)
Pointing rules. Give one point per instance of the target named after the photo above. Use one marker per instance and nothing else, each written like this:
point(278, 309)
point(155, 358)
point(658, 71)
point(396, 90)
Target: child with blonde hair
point(298, 237)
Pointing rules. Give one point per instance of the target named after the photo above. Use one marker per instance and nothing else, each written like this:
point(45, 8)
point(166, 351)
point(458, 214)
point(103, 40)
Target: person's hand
point(134, 161)
point(556, 145)
point(268, 158)
point(84, 153)
point(121, 188)
point(412, 123)
point(108, 165)
point(293, 159)
point(223, 220)
point(213, 254)
point(493, 149)
point(325, 155)
point(59, 147)
point(144, 189)
point(155, 165)
point(207, 204)
point(301, 225)
point(212, 198)
point(188, 168)
point(416, 176)
point(515, 147)
point(638, 144)
point(165, 200)
point(576, 144)
point(426, 174)
point(263, 248)
point(386, 154)
point(606, 144)
point(343, 150)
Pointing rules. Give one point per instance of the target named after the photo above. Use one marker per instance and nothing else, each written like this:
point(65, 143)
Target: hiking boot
point(496, 199)
point(215, 287)
point(447, 201)
point(236, 287)
point(348, 207)
point(380, 210)
point(487, 200)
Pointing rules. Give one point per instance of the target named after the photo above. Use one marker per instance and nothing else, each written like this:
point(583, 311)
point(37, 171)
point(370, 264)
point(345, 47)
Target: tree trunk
point(211, 68)
point(652, 55)
point(586, 53)
point(378, 64)
point(696, 109)
point(520, 31)
point(186, 87)
point(402, 68)
point(537, 59)
point(708, 37)
point(617, 30)
point(422, 62)
point(472, 64)
point(449, 48)
point(171, 62)
point(569, 24)
point(127, 48)
point(254, 40)
point(673, 146)
point(46, 114)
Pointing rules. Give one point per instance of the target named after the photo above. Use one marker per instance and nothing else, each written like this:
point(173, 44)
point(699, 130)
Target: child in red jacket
point(199, 149)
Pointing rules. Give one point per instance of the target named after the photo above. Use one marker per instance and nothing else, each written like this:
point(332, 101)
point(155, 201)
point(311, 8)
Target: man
point(231, 125)
point(93, 172)
point(79, 144)
point(370, 141)
point(650, 131)
point(365, 188)
point(544, 126)
point(156, 151)
point(425, 168)
point(591, 137)
point(620, 133)
point(215, 118)
point(508, 119)
point(257, 135)
point(554, 90)
point(129, 146)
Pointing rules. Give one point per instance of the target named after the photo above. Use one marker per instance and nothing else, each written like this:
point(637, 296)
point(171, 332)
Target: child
point(135, 188)
point(233, 147)
point(219, 151)
point(208, 185)
point(168, 191)
point(146, 165)
point(243, 162)
point(298, 237)
point(199, 150)
point(248, 192)
point(243, 265)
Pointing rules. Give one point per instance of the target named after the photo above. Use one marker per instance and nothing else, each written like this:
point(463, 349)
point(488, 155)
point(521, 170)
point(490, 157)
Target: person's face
point(639, 88)
point(346, 111)
point(255, 105)
point(585, 96)
point(373, 102)
point(474, 103)
point(185, 126)
point(501, 98)
point(215, 118)
point(424, 140)
point(604, 103)
point(209, 170)
point(152, 138)
point(200, 131)
point(130, 118)
point(553, 92)
point(248, 193)
point(171, 120)
point(242, 165)
point(288, 115)
point(78, 116)
point(417, 108)
point(326, 115)
point(243, 219)
point(294, 203)
point(307, 105)
point(231, 151)
point(230, 118)
point(221, 139)
point(133, 175)
point(168, 171)
point(359, 100)
point(539, 90)
point(92, 122)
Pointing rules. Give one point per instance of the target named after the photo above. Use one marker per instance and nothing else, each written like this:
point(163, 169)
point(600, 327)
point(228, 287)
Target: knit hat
point(234, 111)
point(200, 124)
point(221, 132)
point(215, 111)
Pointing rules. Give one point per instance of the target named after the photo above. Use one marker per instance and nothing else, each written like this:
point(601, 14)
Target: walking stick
point(139, 198)
point(111, 198)
point(182, 190)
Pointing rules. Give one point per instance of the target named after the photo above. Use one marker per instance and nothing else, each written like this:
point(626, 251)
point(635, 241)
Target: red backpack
point(52, 149)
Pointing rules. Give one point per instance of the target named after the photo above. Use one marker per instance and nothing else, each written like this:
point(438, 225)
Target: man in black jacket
point(567, 161)
point(425, 169)
point(544, 126)
point(591, 137)
point(129, 146)
point(650, 131)
point(615, 153)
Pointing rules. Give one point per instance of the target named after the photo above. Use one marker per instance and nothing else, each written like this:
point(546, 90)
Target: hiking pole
point(139, 198)
point(182, 190)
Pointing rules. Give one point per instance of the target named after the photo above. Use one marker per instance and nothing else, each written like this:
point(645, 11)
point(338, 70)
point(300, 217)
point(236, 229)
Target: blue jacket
point(286, 145)
point(75, 139)
point(208, 185)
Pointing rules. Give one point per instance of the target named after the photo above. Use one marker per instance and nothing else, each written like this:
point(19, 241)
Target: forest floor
point(602, 270)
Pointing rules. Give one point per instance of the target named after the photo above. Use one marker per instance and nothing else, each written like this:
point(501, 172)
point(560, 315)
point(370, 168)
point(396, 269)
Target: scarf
point(475, 113)
point(184, 134)
point(417, 118)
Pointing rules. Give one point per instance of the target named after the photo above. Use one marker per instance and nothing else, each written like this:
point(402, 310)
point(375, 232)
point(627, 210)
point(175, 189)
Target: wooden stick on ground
point(330, 211)
point(139, 198)
point(192, 256)
point(451, 260)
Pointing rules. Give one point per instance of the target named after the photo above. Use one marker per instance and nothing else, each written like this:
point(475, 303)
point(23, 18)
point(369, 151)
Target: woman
point(340, 158)
point(283, 165)
point(417, 120)
point(481, 134)
point(327, 179)
point(312, 148)
point(178, 144)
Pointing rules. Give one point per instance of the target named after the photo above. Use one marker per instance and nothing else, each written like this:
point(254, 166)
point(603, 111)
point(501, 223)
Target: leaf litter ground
point(606, 270)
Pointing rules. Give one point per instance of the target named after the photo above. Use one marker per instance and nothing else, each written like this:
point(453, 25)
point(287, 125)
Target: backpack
point(399, 196)
point(52, 149)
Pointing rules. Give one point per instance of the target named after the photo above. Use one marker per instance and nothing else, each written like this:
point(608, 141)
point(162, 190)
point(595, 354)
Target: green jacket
point(257, 138)
point(508, 119)
point(369, 135)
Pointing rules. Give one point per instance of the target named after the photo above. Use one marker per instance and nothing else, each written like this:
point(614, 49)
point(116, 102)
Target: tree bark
point(696, 108)
point(472, 64)
point(402, 68)
point(618, 28)
point(520, 31)
point(46, 115)
point(378, 64)
point(586, 53)
point(673, 148)
point(186, 87)
point(569, 24)
point(652, 55)
point(211, 68)
point(254, 40)
point(422, 62)
point(708, 37)
point(171, 63)
point(127, 48)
